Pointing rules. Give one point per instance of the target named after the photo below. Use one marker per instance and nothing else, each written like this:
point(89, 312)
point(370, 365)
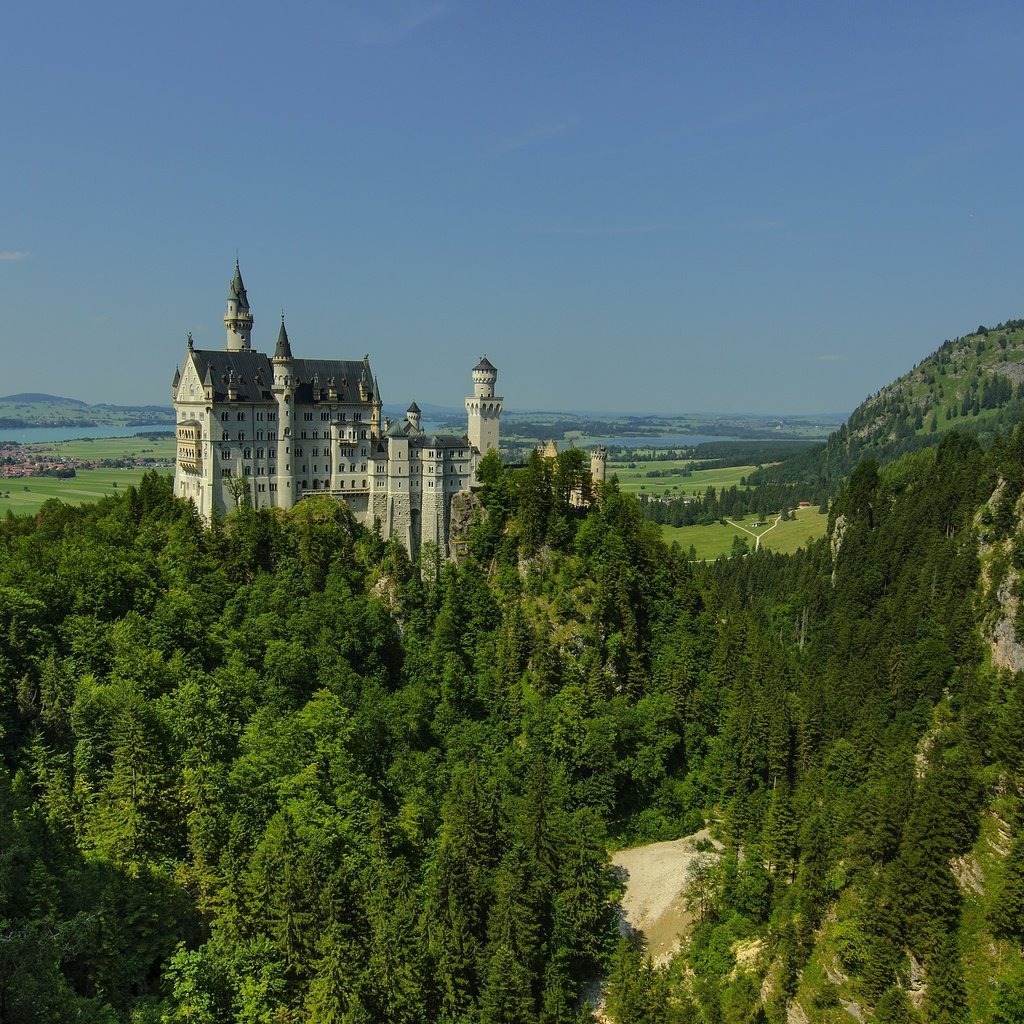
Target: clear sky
point(656, 206)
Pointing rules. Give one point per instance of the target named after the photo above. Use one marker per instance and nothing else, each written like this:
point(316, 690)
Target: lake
point(656, 441)
point(36, 435)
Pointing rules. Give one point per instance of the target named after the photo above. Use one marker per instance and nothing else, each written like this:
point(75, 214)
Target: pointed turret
point(236, 291)
point(284, 348)
point(238, 318)
point(282, 360)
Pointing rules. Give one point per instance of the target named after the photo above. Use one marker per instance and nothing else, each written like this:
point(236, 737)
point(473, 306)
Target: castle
point(271, 430)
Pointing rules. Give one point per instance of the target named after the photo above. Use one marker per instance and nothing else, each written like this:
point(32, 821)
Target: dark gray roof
point(250, 371)
point(485, 364)
point(253, 375)
point(344, 372)
point(177, 378)
point(414, 408)
point(440, 441)
point(236, 290)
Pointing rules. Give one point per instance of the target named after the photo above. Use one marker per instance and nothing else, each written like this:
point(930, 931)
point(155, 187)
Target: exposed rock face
point(1000, 631)
point(836, 542)
point(464, 507)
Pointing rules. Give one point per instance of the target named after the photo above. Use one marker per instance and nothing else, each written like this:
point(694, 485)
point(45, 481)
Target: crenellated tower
point(599, 465)
point(237, 317)
point(483, 408)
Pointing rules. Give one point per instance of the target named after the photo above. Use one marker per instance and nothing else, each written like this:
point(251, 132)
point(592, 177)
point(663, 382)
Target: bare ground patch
point(655, 878)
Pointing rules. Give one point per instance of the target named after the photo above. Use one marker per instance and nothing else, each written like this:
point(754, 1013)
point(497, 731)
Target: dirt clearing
point(655, 879)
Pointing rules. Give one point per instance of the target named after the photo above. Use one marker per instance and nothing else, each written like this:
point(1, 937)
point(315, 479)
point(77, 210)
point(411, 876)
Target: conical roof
point(284, 348)
point(236, 290)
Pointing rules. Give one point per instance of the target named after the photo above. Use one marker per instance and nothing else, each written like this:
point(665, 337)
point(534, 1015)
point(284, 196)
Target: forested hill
point(272, 771)
point(974, 384)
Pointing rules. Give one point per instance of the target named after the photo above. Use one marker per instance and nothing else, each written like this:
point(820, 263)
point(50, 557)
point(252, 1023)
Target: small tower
point(238, 318)
point(483, 408)
point(598, 465)
point(412, 414)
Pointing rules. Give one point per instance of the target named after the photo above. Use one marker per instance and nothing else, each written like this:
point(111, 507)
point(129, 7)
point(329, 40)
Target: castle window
point(341, 485)
point(325, 416)
point(259, 453)
point(341, 417)
point(316, 451)
point(271, 415)
point(225, 453)
point(223, 435)
point(262, 487)
point(316, 434)
point(248, 470)
point(357, 416)
point(241, 416)
point(247, 454)
point(224, 416)
point(241, 435)
point(259, 415)
point(226, 471)
point(303, 433)
point(364, 483)
point(307, 415)
point(362, 434)
point(362, 468)
point(362, 451)
point(273, 487)
point(287, 431)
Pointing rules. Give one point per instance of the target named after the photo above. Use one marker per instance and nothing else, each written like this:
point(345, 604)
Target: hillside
point(973, 384)
point(31, 409)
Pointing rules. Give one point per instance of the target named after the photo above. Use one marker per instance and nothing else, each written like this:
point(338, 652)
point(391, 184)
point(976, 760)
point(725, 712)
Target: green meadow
point(22, 495)
point(711, 541)
point(636, 480)
point(27, 494)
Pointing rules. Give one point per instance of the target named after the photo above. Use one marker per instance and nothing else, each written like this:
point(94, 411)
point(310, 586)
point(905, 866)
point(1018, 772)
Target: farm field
point(711, 541)
point(635, 481)
point(22, 495)
point(110, 448)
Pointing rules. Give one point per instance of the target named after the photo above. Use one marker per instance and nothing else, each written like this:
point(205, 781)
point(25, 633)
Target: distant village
point(29, 460)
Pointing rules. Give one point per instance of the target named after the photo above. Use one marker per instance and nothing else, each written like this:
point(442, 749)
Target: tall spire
point(238, 318)
point(236, 290)
point(284, 348)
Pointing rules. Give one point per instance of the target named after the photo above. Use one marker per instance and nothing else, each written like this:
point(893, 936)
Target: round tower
point(237, 317)
point(483, 408)
point(599, 465)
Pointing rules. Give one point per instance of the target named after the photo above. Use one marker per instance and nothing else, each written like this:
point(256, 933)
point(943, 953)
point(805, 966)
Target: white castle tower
point(483, 408)
point(238, 318)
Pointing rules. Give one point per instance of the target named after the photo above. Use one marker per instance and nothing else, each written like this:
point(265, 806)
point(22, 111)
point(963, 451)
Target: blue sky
point(685, 206)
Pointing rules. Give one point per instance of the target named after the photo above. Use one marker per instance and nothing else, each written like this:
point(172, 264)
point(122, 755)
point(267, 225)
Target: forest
point(270, 770)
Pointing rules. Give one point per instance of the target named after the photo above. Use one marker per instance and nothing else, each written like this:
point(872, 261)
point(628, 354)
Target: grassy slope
point(716, 539)
point(27, 494)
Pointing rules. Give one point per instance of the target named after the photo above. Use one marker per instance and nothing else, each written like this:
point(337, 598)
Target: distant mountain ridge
point(974, 384)
point(29, 397)
point(32, 409)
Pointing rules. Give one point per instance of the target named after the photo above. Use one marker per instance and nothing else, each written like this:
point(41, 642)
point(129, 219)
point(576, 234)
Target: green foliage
point(272, 770)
